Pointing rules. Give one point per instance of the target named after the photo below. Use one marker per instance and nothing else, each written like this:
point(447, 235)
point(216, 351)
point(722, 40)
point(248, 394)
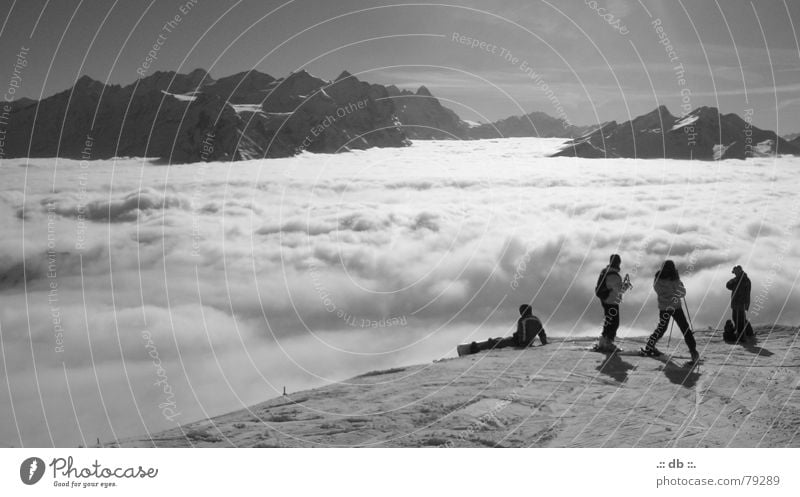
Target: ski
point(617, 351)
point(665, 357)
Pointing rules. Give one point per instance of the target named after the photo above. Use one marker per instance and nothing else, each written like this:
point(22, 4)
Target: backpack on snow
point(601, 290)
point(729, 332)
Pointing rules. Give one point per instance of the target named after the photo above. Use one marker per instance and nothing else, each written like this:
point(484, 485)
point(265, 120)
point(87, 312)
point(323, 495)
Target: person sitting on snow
point(528, 328)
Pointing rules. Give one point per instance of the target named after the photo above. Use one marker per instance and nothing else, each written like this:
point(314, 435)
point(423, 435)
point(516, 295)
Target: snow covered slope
point(561, 395)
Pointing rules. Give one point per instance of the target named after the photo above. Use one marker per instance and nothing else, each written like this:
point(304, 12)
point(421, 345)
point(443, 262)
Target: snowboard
point(463, 349)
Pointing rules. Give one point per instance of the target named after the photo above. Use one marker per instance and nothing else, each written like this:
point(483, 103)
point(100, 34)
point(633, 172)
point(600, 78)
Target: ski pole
point(688, 314)
point(669, 339)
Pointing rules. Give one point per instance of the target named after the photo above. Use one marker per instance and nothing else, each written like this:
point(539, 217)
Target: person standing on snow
point(609, 290)
point(739, 286)
point(670, 290)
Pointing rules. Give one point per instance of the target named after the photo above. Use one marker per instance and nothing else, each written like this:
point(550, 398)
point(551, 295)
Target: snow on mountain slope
point(559, 395)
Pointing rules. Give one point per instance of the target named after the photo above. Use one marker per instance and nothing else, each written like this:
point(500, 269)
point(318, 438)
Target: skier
point(670, 290)
point(739, 286)
point(609, 290)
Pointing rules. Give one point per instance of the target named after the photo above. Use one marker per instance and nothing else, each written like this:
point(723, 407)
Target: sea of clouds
point(138, 296)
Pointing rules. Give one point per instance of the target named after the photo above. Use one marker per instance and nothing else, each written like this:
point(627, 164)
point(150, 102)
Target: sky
point(585, 61)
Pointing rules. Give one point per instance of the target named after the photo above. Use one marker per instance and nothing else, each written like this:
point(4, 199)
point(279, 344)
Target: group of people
point(671, 295)
point(610, 288)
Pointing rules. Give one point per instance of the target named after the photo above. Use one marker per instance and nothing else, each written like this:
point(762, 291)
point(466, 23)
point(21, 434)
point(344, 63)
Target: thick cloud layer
point(130, 289)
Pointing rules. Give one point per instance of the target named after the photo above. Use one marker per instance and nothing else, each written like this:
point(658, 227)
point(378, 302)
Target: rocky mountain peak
point(424, 92)
point(85, 84)
point(344, 75)
point(200, 77)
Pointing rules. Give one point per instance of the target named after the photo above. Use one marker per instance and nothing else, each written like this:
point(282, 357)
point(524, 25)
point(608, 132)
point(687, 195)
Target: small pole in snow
point(284, 391)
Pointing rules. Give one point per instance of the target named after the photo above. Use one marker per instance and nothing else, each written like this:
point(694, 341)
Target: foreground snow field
point(560, 395)
point(138, 296)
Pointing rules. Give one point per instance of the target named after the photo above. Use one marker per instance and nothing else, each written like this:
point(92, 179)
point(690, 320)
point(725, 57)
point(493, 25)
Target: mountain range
point(192, 117)
point(180, 118)
point(704, 134)
point(536, 124)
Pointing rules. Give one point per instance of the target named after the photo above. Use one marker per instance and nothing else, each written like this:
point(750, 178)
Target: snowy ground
point(152, 296)
point(560, 395)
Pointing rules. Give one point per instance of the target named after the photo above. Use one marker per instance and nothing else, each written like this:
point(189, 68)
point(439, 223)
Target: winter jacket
point(529, 327)
point(740, 292)
point(614, 282)
point(669, 292)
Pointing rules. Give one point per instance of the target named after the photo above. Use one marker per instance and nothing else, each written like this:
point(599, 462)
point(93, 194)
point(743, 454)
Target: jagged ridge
point(535, 124)
point(704, 134)
point(191, 117)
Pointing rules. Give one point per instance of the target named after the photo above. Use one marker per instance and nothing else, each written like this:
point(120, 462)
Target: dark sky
point(737, 55)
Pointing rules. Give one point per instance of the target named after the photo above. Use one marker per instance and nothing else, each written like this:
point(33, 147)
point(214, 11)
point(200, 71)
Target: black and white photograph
point(373, 224)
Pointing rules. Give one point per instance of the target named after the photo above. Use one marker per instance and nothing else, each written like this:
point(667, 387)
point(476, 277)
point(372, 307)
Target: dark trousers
point(663, 322)
point(739, 320)
point(505, 342)
point(494, 343)
point(610, 320)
